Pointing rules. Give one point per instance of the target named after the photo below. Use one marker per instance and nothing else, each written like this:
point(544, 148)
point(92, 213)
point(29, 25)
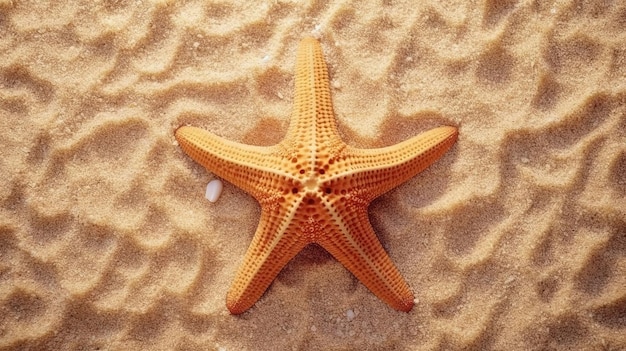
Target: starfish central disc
point(319, 198)
point(311, 184)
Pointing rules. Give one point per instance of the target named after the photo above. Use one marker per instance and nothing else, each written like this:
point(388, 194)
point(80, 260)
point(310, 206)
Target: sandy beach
point(514, 240)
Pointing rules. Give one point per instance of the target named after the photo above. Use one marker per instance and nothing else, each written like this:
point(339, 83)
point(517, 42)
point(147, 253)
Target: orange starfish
point(313, 188)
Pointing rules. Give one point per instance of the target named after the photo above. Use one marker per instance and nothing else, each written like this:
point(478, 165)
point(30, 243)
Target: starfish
point(314, 188)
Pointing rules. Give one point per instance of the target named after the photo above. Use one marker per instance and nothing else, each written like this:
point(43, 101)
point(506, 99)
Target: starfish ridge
point(313, 188)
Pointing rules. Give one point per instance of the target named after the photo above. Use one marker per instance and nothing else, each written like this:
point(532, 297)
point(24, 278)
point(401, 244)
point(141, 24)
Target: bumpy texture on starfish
point(313, 188)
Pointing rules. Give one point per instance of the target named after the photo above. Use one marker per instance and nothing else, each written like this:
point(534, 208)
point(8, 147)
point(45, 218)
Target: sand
point(514, 240)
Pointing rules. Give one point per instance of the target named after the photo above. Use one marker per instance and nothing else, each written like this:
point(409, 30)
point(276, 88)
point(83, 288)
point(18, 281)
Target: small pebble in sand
point(350, 315)
point(214, 190)
point(317, 31)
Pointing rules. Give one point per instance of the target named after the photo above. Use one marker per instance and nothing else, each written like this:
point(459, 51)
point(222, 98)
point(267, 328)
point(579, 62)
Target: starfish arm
point(312, 118)
point(246, 166)
point(373, 172)
point(357, 247)
point(272, 247)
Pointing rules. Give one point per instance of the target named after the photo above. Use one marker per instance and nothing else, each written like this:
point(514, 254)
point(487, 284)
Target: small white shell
point(350, 315)
point(214, 190)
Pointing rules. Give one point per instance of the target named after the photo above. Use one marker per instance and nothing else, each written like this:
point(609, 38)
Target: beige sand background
point(514, 240)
